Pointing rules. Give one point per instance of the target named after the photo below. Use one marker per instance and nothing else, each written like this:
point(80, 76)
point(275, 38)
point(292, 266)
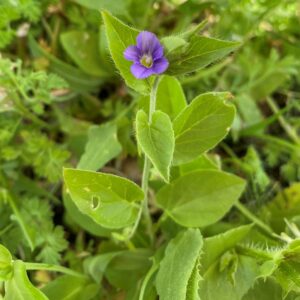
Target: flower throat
point(146, 61)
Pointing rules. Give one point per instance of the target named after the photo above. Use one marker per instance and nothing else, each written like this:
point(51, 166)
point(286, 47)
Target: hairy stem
point(249, 215)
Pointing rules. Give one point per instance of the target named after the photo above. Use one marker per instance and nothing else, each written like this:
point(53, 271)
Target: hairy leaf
point(198, 53)
point(178, 265)
point(120, 36)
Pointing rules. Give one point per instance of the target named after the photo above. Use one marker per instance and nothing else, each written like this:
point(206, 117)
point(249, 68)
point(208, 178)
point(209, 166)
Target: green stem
point(290, 131)
point(256, 253)
point(249, 215)
point(54, 268)
point(147, 163)
point(144, 210)
point(146, 280)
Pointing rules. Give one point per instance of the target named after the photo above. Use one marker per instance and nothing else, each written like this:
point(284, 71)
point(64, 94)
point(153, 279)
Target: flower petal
point(147, 42)
point(158, 52)
point(160, 65)
point(132, 53)
point(140, 72)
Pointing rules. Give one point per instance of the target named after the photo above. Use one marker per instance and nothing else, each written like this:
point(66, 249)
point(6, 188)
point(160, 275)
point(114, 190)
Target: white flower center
point(146, 61)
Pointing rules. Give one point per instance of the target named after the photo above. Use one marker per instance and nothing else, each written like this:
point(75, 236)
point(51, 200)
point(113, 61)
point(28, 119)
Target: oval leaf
point(156, 140)
point(200, 198)
point(201, 125)
point(177, 268)
point(109, 200)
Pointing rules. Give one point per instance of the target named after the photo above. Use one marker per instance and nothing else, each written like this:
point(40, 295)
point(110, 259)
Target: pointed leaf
point(156, 140)
point(215, 246)
point(119, 37)
point(201, 125)
point(198, 53)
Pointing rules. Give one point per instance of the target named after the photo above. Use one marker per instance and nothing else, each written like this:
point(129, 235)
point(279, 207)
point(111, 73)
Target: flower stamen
point(146, 61)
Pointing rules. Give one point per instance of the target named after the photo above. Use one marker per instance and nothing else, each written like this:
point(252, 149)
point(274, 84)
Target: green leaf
point(115, 7)
point(102, 146)
point(200, 198)
point(71, 288)
point(111, 201)
point(119, 37)
point(156, 140)
point(173, 44)
point(288, 276)
point(126, 269)
point(215, 246)
point(193, 284)
point(201, 125)
point(78, 80)
point(19, 287)
point(198, 53)
point(170, 97)
point(200, 163)
point(6, 264)
point(83, 220)
point(53, 243)
point(231, 284)
point(96, 265)
point(178, 265)
point(266, 289)
point(285, 205)
point(82, 46)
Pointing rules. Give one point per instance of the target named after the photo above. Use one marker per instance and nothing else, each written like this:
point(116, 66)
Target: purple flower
point(147, 55)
